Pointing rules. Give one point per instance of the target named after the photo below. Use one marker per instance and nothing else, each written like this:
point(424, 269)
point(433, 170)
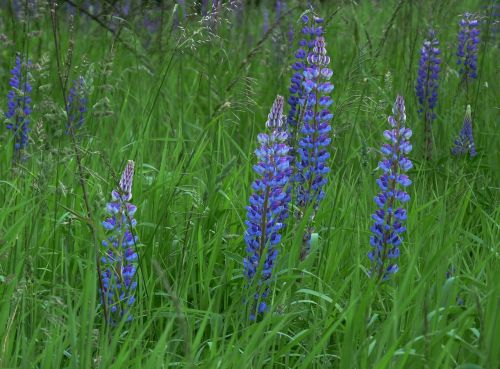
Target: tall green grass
point(187, 108)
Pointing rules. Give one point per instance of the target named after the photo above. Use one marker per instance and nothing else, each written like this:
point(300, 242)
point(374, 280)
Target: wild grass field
point(183, 88)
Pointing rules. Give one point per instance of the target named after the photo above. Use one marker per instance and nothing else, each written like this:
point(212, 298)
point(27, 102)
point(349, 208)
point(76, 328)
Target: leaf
point(316, 293)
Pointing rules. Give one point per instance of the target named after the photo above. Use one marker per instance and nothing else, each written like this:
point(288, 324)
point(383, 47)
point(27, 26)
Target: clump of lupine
point(427, 86)
point(390, 216)
point(268, 207)
point(76, 105)
point(468, 41)
point(465, 140)
point(19, 105)
point(118, 274)
point(310, 31)
point(313, 138)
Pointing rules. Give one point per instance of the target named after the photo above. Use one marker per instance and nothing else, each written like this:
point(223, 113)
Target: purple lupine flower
point(279, 9)
point(310, 30)
point(465, 139)
point(268, 204)
point(312, 153)
point(19, 104)
point(265, 26)
point(427, 86)
point(390, 216)
point(468, 40)
point(290, 35)
point(126, 8)
point(121, 9)
point(76, 105)
point(204, 8)
point(93, 7)
point(120, 260)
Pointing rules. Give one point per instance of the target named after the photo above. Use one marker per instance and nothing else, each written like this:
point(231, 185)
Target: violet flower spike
point(279, 8)
point(76, 105)
point(310, 30)
point(314, 136)
point(119, 262)
point(468, 41)
point(465, 140)
point(265, 26)
point(268, 204)
point(19, 105)
point(204, 8)
point(390, 216)
point(427, 86)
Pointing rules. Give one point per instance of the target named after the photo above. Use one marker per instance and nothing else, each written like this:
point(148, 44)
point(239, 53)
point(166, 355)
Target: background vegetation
point(186, 103)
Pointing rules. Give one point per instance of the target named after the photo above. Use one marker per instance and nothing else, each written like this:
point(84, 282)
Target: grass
point(187, 108)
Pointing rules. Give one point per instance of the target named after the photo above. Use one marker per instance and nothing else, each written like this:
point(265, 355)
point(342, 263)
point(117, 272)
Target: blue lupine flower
point(265, 26)
point(313, 139)
point(19, 104)
point(296, 89)
point(120, 260)
point(427, 86)
point(76, 105)
point(389, 218)
point(182, 4)
point(268, 204)
point(468, 40)
point(126, 7)
point(465, 139)
point(290, 35)
point(204, 8)
point(278, 9)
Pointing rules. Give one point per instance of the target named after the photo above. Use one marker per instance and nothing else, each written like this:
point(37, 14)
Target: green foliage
point(187, 108)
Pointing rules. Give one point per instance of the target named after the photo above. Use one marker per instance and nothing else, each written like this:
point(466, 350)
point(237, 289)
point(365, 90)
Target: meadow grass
point(187, 108)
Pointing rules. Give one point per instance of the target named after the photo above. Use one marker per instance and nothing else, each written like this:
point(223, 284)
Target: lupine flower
point(468, 40)
point(312, 153)
point(120, 257)
point(92, 7)
point(290, 34)
point(24, 10)
point(126, 7)
point(279, 9)
point(427, 86)
point(265, 26)
point(19, 104)
point(390, 216)
point(204, 8)
point(310, 30)
point(76, 105)
point(268, 204)
point(465, 139)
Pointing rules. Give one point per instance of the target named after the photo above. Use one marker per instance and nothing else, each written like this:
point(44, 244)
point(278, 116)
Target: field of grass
point(186, 104)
